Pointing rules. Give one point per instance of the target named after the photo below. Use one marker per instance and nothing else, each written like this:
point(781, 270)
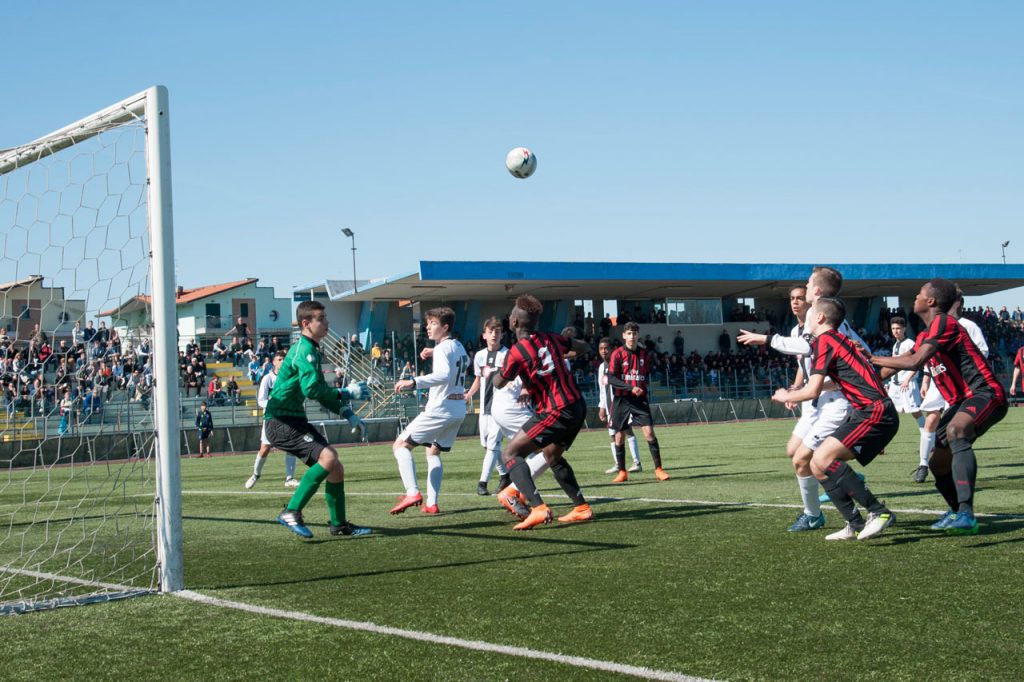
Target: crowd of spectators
point(256, 361)
point(75, 378)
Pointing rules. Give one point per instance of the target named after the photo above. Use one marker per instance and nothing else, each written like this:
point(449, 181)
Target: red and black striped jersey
point(631, 366)
point(1018, 360)
point(958, 367)
point(836, 357)
point(540, 360)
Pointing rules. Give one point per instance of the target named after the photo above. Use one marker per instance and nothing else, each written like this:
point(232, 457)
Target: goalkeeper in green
point(288, 429)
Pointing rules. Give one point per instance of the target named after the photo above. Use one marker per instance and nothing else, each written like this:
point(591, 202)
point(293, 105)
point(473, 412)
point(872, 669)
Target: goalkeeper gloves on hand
point(357, 390)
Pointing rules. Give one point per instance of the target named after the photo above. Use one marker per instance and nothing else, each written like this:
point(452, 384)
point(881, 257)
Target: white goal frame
point(152, 106)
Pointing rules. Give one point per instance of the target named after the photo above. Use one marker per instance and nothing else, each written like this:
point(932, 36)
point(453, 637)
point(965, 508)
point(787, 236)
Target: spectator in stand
point(235, 351)
point(355, 344)
point(255, 369)
point(724, 341)
point(92, 406)
point(143, 352)
point(214, 392)
point(241, 329)
point(67, 409)
point(1017, 315)
point(191, 380)
point(233, 393)
point(103, 335)
point(220, 351)
point(274, 347)
point(261, 351)
point(375, 354)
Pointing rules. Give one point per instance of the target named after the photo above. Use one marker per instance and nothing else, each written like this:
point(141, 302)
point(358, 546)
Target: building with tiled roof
point(208, 312)
point(27, 302)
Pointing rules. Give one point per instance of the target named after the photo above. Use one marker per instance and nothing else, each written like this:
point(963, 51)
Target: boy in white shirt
point(262, 397)
point(493, 355)
point(438, 425)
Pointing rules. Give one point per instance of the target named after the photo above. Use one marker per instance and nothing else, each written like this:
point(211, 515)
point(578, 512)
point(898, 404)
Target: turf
point(672, 576)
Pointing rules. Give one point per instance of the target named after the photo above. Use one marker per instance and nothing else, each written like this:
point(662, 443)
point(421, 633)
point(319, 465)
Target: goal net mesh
point(77, 436)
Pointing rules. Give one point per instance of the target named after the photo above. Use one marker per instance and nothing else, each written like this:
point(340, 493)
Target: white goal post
point(90, 495)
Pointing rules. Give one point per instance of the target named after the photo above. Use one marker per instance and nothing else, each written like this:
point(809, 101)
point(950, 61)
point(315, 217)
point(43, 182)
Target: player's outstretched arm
point(810, 391)
point(911, 361)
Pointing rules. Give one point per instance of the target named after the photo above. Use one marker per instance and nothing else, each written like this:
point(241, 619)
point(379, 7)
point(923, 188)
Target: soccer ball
point(521, 162)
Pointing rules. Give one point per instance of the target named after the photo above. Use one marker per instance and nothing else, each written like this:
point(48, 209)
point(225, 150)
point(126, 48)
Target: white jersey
point(447, 378)
point(263, 394)
point(494, 359)
point(902, 348)
point(974, 331)
point(604, 389)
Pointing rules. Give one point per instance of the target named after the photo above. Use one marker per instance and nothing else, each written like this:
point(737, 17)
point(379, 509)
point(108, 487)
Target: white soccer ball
point(521, 162)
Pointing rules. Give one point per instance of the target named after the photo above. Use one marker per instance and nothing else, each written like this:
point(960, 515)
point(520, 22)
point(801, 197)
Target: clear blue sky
point(675, 131)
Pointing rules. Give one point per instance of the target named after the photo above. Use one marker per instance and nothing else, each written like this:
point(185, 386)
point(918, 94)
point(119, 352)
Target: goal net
point(89, 479)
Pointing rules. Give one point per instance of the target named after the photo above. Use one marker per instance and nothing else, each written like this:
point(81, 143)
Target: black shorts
point(559, 428)
point(984, 409)
point(866, 432)
point(296, 436)
point(205, 433)
point(629, 410)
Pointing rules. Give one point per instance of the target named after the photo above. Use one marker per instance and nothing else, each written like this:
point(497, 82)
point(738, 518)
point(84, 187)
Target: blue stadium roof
point(482, 280)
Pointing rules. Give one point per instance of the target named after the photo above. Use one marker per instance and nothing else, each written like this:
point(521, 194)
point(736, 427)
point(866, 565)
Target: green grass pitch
point(675, 576)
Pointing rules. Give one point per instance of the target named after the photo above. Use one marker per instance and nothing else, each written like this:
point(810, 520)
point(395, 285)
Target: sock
point(965, 473)
point(615, 460)
point(634, 449)
point(845, 485)
point(289, 466)
point(257, 466)
point(809, 495)
point(944, 484)
point(490, 457)
point(924, 449)
point(307, 487)
point(538, 464)
point(566, 478)
point(435, 472)
point(519, 470)
point(655, 452)
point(499, 464)
point(335, 494)
point(620, 457)
point(407, 470)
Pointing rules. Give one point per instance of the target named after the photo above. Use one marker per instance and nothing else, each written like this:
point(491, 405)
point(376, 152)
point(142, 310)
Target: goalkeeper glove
point(358, 425)
point(357, 390)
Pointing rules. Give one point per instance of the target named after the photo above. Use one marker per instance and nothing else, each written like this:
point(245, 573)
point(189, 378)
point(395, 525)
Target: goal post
point(90, 482)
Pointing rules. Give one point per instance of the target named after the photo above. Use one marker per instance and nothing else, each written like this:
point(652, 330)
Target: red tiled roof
point(187, 295)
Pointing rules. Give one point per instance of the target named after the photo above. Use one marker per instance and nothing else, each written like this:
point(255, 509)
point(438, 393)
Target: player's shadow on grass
point(999, 528)
point(676, 511)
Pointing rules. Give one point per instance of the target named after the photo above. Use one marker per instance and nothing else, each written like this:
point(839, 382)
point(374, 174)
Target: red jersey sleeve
point(1019, 360)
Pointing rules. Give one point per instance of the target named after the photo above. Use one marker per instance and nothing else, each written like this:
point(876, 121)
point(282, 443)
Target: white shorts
point(908, 401)
point(433, 429)
point(933, 400)
point(509, 422)
point(490, 432)
point(263, 435)
point(818, 423)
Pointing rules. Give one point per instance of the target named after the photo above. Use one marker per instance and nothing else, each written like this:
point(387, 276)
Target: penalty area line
point(431, 638)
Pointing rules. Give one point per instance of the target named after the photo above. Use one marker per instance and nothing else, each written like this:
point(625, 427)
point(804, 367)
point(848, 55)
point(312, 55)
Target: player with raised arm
point(492, 355)
point(538, 358)
point(628, 373)
point(298, 379)
point(604, 409)
point(905, 393)
point(438, 425)
point(872, 423)
point(976, 400)
point(262, 398)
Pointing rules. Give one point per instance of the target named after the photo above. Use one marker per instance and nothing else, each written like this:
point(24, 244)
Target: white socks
point(289, 466)
point(257, 466)
point(926, 446)
point(634, 449)
point(491, 457)
point(809, 495)
point(407, 470)
point(435, 472)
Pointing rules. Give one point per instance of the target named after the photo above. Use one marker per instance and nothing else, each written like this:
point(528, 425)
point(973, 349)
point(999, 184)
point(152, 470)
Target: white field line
point(431, 638)
point(649, 500)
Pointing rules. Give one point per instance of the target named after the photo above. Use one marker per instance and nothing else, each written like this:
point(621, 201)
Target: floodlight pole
point(352, 235)
point(1005, 244)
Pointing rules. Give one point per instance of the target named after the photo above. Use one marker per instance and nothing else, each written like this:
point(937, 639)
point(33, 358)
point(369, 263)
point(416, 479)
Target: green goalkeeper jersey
point(299, 378)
